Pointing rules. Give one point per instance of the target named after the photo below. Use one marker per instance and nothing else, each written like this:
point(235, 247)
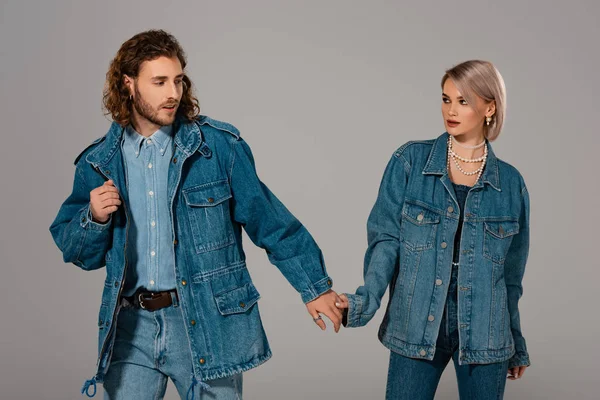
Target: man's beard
point(146, 111)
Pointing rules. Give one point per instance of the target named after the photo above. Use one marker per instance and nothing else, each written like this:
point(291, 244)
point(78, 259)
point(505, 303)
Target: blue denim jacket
point(411, 232)
point(214, 191)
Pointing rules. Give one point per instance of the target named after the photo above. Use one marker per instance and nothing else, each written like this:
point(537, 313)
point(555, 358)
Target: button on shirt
point(150, 254)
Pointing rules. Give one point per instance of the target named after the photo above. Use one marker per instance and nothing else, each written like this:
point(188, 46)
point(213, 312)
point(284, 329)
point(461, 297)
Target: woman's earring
point(488, 120)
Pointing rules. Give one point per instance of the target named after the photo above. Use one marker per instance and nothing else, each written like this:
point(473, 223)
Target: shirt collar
point(161, 138)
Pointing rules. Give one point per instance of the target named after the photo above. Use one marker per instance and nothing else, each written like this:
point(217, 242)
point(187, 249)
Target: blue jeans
point(416, 379)
point(151, 347)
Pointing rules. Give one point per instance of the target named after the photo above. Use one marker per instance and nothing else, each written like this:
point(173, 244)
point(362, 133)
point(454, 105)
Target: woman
point(449, 233)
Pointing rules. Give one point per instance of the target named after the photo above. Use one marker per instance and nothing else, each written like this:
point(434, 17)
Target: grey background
point(324, 92)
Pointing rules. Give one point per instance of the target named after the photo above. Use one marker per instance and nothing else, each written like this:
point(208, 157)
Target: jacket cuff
point(86, 220)
point(519, 360)
point(316, 289)
point(352, 316)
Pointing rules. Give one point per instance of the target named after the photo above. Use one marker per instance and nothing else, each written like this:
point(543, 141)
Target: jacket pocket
point(497, 238)
point(238, 300)
point(208, 214)
point(418, 227)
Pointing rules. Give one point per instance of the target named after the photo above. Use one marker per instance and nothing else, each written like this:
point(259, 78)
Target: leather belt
point(153, 301)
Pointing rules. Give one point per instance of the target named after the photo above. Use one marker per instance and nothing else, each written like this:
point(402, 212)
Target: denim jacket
point(214, 191)
point(411, 231)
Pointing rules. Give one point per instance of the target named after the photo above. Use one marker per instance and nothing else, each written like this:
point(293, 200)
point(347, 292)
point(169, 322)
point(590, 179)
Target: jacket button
point(242, 304)
point(501, 230)
point(175, 160)
point(328, 282)
point(175, 242)
point(444, 245)
point(420, 217)
point(107, 172)
point(438, 282)
point(116, 284)
point(422, 352)
point(193, 322)
point(211, 200)
point(183, 282)
point(450, 209)
point(83, 220)
point(202, 361)
point(430, 318)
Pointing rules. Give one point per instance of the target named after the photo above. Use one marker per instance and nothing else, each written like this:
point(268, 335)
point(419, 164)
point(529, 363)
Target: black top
point(461, 195)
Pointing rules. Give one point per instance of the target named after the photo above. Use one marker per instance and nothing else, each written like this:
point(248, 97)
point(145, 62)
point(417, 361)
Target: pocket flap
point(237, 300)
point(208, 195)
point(419, 214)
point(502, 229)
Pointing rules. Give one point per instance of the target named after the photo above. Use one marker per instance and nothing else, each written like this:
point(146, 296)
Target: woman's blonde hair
point(482, 79)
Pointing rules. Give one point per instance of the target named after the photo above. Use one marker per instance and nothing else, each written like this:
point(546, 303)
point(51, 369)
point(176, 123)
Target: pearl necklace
point(464, 146)
point(455, 157)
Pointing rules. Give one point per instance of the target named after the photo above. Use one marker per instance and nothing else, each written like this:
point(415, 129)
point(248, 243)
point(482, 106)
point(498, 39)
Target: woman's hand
point(516, 372)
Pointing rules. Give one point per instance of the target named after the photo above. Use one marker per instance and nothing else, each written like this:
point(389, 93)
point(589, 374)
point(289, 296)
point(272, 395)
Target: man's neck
point(143, 126)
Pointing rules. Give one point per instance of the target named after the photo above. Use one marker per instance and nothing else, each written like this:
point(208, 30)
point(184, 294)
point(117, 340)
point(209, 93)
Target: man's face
point(157, 90)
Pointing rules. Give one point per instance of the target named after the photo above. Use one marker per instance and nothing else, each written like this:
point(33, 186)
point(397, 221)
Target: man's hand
point(104, 200)
point(326, 304)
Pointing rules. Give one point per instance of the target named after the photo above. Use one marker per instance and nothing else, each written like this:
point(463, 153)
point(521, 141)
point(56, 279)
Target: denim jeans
point(417, 379)
point(151, 347)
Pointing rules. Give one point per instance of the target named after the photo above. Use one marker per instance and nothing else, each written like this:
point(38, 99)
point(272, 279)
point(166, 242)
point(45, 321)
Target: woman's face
point(461, 118)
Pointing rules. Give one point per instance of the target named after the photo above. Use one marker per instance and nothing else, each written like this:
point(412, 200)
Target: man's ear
point(128, 81)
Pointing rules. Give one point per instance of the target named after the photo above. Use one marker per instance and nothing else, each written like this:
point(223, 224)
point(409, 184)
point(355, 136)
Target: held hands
point(104, 200)
point(326, 304)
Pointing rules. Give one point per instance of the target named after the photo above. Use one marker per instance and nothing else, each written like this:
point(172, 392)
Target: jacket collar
point(188, 139)
point(437, 163)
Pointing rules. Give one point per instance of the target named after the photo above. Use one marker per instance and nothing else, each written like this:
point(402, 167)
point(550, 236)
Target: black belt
point(152, 301)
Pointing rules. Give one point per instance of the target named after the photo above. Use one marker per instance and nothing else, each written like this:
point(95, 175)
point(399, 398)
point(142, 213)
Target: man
point(161, 200)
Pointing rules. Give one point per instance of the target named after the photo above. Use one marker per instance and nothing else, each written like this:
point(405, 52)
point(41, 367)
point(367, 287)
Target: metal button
point(438, 282)
point(444, 245)
point(107, 172)
point(152, 253)
point(242, 304)
point(151, 193)
point(420, 217)
point(107, 323)
point(422, 352)
point(211, 200)
point(193, 322)
point(153, 223)
point(430, 318)
point(328, 282)
point(450, 209)
point(202, 361)
point(149, 141)
point(183, 282)
point(116, 284)
point(175, 242)
point(175, 160)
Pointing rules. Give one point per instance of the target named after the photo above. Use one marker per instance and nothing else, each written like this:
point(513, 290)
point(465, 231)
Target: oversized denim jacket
point(213, 191)
point(411, 231)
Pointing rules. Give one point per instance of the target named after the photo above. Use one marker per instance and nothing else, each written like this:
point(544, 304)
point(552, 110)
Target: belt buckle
point(141, 301)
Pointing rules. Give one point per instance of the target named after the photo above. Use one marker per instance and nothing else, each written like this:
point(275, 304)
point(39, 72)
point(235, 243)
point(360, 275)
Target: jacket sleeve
point(383, 251)
point(514, 269)
point(82, 241)
point(270, 225)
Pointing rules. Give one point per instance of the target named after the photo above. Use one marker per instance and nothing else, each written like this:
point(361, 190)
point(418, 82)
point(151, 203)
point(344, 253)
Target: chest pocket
point(209, 217)
point(497, 238)
point(418, 227)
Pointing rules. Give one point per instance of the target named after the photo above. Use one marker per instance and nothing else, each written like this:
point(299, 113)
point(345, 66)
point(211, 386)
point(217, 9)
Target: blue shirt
point(150, 252)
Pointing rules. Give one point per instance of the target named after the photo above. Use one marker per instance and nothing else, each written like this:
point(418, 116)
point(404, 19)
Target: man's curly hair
point(144, 46)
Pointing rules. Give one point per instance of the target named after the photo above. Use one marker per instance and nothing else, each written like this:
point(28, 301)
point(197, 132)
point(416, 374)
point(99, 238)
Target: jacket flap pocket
point(502, 229)
point(419, 214)
point(237, 300)
point(208, 195)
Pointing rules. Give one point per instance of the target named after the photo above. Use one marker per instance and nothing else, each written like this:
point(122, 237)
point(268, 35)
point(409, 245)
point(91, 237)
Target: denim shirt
point(151, 255)
point(411, 231)
point(213, 192)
